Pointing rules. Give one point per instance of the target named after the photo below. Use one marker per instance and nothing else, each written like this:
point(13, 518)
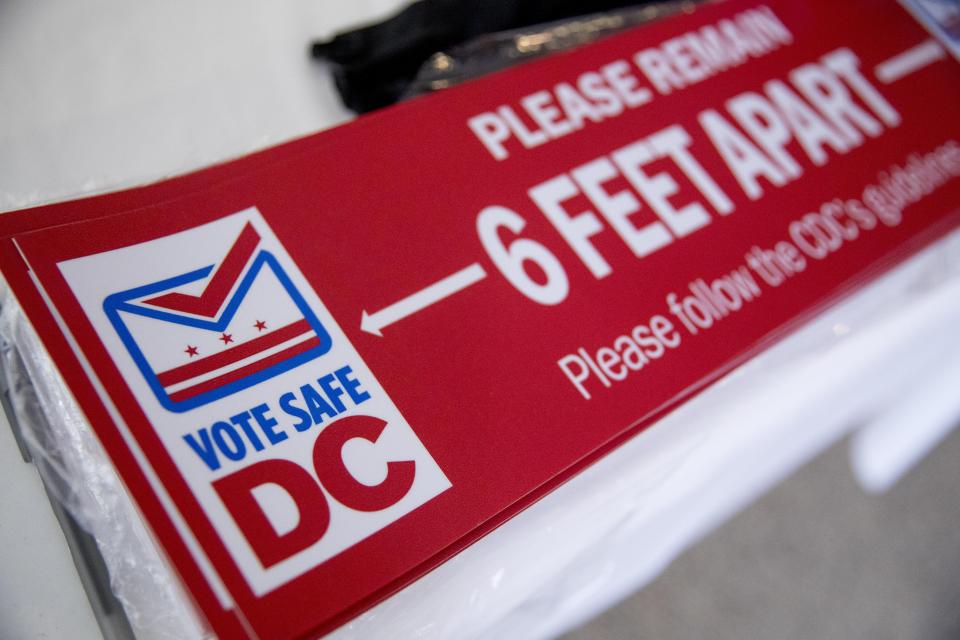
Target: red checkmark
point(208, 303)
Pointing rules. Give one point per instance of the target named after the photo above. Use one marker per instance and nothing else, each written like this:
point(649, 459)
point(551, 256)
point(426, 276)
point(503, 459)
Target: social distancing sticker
point(324, 369)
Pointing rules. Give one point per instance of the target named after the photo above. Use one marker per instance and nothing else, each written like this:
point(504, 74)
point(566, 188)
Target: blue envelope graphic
point(211, 332)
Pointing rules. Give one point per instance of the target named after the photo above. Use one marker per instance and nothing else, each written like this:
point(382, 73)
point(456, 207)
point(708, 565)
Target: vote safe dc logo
point(271, 417)
point(233, 322)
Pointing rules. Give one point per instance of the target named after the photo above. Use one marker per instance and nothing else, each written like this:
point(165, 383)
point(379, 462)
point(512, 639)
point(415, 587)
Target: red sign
point(323, 369)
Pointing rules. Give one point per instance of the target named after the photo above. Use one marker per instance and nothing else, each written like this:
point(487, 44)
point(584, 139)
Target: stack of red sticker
point(323, 369)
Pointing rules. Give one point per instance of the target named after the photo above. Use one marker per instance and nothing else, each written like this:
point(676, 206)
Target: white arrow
point(374, 322)
point(913, 59)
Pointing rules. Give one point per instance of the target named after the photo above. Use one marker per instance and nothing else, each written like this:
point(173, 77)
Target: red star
point(191, 351)
point(226, 337)
point(260, 325)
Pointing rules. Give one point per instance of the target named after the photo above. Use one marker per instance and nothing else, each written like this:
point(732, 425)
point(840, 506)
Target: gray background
point(816, 558)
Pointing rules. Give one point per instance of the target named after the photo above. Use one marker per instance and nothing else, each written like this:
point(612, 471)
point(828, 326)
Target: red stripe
point(233, 354)
point(209, 302)
point(243, 372)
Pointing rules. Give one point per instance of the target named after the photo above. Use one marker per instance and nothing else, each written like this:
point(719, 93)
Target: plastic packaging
point(495, 51)
point(78, 474)
point(608, 531)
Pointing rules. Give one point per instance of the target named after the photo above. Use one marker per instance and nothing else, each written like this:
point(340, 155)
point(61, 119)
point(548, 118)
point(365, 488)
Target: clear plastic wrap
point(78, 474)
point(612, 528)
point(495, 51)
